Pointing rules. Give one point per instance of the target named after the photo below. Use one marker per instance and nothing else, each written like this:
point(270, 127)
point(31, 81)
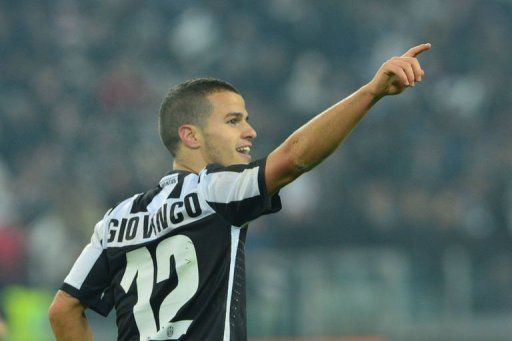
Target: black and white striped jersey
point(171, 260)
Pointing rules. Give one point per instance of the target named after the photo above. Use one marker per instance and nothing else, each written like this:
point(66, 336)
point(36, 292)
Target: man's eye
point(233, 121)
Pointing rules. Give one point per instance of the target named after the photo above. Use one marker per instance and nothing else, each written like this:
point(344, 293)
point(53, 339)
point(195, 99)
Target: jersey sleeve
point(238, 193)
point(88, 279)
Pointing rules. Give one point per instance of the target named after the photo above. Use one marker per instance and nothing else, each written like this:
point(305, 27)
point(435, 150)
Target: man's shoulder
point(134, 204)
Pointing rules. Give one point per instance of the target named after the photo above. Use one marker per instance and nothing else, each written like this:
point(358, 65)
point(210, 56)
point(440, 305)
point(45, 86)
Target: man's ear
point(190, 136)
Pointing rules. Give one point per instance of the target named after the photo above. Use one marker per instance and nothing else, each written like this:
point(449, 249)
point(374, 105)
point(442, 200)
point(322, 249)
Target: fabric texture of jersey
point(171, 260)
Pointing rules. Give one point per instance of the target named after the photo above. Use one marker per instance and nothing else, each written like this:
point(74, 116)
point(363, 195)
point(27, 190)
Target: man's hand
point(398, 73)
point(317, 139)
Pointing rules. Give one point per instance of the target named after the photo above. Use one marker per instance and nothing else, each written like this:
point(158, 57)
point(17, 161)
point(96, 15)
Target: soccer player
point(171, 260)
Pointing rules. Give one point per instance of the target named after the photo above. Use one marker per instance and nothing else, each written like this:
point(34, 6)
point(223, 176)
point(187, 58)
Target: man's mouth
point(244, 150)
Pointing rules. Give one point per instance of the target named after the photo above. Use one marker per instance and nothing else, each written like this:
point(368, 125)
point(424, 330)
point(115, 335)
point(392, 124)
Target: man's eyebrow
point(238, 115)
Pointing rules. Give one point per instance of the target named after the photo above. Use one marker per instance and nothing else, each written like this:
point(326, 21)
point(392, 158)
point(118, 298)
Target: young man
point(171, 260)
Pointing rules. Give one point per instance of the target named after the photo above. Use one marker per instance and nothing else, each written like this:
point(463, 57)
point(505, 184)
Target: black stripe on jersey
point(261, 178)
point(238, 331)
point(243, 211)
point(140, 204)
point(176, 192)
point(215, 168)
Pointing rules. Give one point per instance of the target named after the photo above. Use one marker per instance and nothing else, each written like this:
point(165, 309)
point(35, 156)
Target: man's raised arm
point(318, 138)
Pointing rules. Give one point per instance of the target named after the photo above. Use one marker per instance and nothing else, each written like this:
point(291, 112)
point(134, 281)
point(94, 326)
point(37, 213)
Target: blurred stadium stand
point(403, 234)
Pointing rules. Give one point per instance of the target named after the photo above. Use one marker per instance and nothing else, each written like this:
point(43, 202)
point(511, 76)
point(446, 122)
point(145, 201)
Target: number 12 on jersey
point(140, 265)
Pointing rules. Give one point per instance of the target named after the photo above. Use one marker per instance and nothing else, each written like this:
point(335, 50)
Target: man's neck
point(178, 166)
point(192, 165)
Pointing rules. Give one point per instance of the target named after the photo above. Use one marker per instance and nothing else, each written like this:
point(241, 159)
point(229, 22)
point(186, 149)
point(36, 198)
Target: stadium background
point(403, 234)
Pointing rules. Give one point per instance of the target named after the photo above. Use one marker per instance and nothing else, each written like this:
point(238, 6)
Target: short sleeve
point(238, 193)
point(88, 279)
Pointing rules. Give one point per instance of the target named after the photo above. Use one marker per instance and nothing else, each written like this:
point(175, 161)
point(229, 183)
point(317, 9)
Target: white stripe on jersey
point(87, 259)
point(160, 198)
point(235, 236)
point(242, 185)
point(189, 184)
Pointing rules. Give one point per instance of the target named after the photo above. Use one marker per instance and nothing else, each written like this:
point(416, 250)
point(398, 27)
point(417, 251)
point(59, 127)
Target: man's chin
point(243, 160)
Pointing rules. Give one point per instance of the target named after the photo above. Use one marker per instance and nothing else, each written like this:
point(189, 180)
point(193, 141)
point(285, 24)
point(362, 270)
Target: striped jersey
point(171, 260)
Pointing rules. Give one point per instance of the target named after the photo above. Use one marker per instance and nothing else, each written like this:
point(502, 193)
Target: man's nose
point(250, 132)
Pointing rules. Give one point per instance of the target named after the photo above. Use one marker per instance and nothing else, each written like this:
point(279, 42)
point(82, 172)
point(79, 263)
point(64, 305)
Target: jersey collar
point(172, 177)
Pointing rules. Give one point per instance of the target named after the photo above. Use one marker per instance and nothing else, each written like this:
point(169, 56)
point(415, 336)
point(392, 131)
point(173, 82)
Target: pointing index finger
point(416, 50)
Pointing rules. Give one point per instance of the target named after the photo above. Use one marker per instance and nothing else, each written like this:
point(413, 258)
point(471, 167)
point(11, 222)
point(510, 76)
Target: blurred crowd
point(81, 83)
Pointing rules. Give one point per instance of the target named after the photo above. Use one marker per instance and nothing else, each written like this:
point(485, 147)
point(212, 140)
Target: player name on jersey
point(142, 227)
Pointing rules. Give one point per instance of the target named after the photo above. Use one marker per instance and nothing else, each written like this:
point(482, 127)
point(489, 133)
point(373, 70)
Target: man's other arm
point(317, 139)
point(67, 318)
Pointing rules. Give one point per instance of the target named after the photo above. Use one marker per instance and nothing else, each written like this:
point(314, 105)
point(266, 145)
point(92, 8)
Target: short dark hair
point(186, 103)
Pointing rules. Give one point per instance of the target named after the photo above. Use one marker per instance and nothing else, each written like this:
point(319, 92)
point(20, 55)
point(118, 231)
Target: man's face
point(227, 133)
